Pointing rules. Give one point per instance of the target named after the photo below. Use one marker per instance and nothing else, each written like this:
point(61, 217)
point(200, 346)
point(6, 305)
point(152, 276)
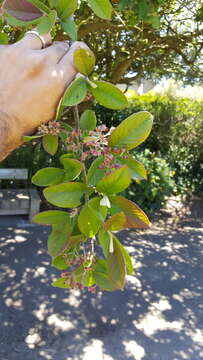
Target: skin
point(32, 82)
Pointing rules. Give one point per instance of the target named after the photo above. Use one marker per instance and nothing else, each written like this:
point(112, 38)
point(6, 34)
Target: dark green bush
point(150, 194)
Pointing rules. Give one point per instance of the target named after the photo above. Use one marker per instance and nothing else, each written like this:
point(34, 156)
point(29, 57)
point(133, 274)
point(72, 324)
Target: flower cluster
point(52, 127)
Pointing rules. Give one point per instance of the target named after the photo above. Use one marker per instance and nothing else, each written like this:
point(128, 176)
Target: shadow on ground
point(159, 316)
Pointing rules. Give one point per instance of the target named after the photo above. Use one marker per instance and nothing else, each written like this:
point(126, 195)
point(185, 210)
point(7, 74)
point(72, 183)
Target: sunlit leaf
point(91, 217)
point(84, 60)
point(70, 28)
point(135, 217)
point(60, 283)
point(116, 222)
point(66, 195)
point(94, 174)
point(50, 143)
point(75, 93)
point(109, 95)
point(46, 23)
point(101, 8)
point(51, 217)
point(132, 131)
point(48, 176)
point(136, 168)
point(114, 183)
point(65, 8)
point(72, 168)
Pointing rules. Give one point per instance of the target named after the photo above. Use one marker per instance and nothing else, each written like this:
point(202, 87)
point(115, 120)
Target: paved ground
point(159, 316)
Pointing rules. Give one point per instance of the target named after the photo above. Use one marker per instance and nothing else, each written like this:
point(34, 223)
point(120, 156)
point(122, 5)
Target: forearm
point(10, 135)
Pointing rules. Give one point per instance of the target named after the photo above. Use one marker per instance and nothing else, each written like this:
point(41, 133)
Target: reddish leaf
point(21, 10)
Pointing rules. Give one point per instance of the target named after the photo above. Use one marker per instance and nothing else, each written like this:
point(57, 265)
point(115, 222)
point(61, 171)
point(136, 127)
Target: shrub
point(153, 192)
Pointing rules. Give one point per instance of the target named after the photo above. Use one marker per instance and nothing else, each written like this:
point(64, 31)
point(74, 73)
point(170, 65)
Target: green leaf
point(58, 239)
point(91, 217)
point(51, 217)
point(50, 144)
point(66, 8)
point(94, 173)
point(135, 217)
point(101, 8)
point(114, 183)
point(116, 266)
point(84, 61)
point(14, 22)
point(48, 176)
point(136, 168)
point(88, 120)
point(30, 138)
point(75, 93)
point(104, 241)
point(132, 131)
point(88, 279)
point(4, 38)
point(103, 281)
point(116, 222)
point(72, 168)
point(46, 23)
point(59, 263)
point(109, 95)
point(60, 283)
point(127, 258)
point(65, 195)
point(70, 28)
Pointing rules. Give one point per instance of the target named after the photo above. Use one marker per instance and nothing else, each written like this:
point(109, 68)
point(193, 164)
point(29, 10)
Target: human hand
point(32, 81)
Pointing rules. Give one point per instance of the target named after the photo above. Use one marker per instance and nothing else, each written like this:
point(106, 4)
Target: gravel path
point(159, 315)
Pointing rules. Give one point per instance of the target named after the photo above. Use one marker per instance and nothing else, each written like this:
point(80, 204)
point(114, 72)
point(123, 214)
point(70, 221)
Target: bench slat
point(12, 174)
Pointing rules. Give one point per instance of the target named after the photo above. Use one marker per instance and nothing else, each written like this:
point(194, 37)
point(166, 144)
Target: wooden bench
point(18, 201)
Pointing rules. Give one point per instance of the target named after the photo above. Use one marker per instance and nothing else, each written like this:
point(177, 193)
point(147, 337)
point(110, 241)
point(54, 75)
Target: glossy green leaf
point(3, 38)
point(109, 95)
point(15, 22)
point(50, 143)
point(84, 61)
point(75, 93)
point(88, 279)
point(114, 183)
point(72, 168)
point(116, 222)
point(91, 217)
point(59, 263)
point(136, 168)
point(66, 8)
point(94, 174)
point(46, 23)
point(135, 217)
point(101, 8)
point(65, 195)
point(132, 131)
point(127, 258)
point(58, 239)
point(30, 138)
point(48, 176)
point(60, 283)
point(70, 28)
point(116, 266)
point(104, 241)
point(88, 120)
point(51, 217)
